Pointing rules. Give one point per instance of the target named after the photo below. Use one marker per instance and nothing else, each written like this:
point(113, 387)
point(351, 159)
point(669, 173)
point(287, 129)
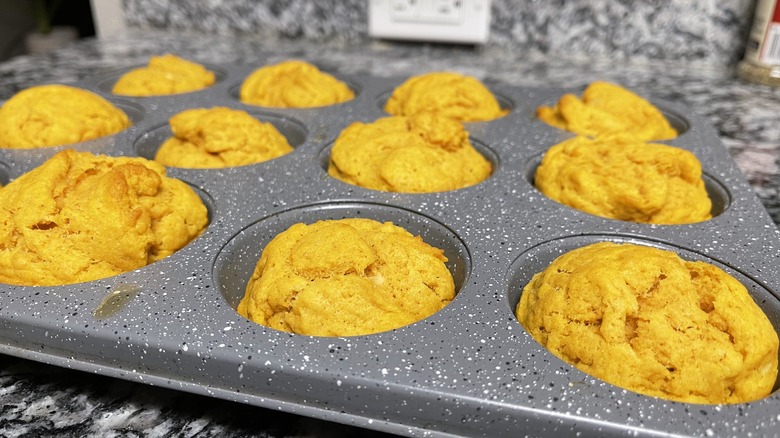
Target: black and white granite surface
point(711, 31)
point(42, 400)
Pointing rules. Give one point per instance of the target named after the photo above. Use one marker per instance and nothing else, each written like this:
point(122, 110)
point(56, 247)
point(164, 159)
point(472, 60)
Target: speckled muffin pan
point(470, 369)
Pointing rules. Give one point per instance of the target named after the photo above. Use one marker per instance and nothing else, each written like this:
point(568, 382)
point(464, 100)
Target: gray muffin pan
point(471, 369)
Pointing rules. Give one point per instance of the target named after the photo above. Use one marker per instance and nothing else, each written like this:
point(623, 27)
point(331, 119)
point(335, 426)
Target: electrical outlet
point(456, 21)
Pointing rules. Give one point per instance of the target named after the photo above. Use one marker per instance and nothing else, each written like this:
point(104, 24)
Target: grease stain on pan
point(116, 300)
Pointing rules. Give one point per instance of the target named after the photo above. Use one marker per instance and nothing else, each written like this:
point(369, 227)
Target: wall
point(15, 22)
point(710, 31)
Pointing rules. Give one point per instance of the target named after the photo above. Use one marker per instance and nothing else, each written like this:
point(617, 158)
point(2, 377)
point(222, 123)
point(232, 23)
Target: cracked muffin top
point(423, 153)
point(54, 115)
point(622, 178)
point(220, 137)
point(293, 84)
point(607, 109)
point(80, 217)
point(346, 277)
point(459, 97)
point(648, 321)
point(164, 75)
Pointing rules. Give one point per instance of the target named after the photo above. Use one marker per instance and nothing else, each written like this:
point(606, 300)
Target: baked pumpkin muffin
point(80, 217)
point(164, 75)
point(54, 115)
point(423, 153)
point(220, 137)
point(648, 321)
point(454, 95)
point(625, 179)
point(293, 84)
point(606, 109)
point(346, 277)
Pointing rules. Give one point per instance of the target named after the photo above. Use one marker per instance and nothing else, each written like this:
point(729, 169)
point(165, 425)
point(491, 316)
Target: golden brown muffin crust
point(79, 217)
point(53, 115)
point(646, 320)
point(423, 153)
point(453, 95)
point(164, 75)
point(346, 277)
point(220, 137)
point(293, 84)
point(607, 109)
point(622, 178)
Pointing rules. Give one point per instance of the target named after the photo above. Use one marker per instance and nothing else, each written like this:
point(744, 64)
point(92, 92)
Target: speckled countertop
point(44, 400)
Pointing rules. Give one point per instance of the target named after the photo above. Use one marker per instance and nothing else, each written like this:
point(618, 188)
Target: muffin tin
point(470, 369)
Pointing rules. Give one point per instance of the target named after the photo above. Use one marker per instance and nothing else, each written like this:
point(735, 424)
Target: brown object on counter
point(761, 63)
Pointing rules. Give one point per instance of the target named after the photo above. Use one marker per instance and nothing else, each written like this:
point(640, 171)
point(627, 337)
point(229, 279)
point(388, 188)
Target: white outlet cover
point(454, 21)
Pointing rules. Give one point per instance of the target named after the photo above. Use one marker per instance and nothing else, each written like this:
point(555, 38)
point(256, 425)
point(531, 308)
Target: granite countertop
point(43, 400)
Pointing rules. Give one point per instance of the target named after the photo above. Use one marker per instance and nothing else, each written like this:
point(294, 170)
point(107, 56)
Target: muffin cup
point(294, 131)
point(504, 101)
point(717, 192)
point(482, 148)
point(236, 262)
point(105, 82)
point(536, 259)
